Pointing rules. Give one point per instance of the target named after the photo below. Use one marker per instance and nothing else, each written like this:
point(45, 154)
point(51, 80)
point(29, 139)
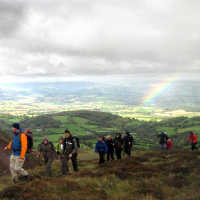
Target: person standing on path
point(102, 149)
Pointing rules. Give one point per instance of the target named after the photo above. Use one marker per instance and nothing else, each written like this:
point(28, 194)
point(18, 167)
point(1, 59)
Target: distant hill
point(88, 125)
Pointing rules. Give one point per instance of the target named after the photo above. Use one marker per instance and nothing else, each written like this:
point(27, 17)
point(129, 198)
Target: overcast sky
point(77, 38)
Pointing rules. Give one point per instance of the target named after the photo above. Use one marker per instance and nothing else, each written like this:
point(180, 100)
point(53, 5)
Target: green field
point(89, 125)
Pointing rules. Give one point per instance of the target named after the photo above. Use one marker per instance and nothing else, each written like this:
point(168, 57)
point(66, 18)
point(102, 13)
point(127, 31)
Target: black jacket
point(118, 143)
point(163, 138)
point(128, 141)
point(110, 145)
point(70, 146)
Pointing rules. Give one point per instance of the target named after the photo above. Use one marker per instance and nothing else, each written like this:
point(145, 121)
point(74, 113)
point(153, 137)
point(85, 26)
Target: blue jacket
point(101, 147)
point(16, 145)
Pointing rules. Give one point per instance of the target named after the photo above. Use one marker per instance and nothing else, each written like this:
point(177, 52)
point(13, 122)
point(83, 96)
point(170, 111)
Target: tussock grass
point(146, 176)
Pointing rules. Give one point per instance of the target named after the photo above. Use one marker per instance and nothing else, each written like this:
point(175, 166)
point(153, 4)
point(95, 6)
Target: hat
point(28, 131)
point(16, 125)
point(45, 139)
point(67, 131)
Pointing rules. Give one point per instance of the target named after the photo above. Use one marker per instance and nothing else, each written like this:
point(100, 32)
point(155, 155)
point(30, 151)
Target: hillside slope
point(4, 155)
point(148, 175)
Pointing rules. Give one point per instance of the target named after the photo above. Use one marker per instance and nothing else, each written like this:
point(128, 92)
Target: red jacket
point(169, 144)
point(193, 138)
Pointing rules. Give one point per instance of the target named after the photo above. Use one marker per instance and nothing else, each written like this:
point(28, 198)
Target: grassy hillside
point(88, 125)
point(4, 155)
point(85, 124)
point(146, 176)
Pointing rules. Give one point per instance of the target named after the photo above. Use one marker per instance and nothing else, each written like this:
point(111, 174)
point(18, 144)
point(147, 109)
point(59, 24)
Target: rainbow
point(159, 89)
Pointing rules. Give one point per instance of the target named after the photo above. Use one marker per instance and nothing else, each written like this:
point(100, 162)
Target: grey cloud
point(11, 16)
point(83, 37)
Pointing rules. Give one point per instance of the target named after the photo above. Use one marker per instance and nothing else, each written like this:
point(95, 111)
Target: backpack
point(29, 143)
point(130, 139)
point(77, 141)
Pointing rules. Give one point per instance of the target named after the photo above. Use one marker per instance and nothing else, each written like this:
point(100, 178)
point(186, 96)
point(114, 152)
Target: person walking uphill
point(47, 150)
point(163, 139)
point(61, 156)
point(59, 147)
point(118, 143)
point(110, 145)
point(169, 144)
point(18, 146)
point(128, 143)
point(102, 149)
point(70, 151)
point(193, 140)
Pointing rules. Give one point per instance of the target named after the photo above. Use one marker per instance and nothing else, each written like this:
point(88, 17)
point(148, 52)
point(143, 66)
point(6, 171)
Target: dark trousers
point(118, 153)
point(127, 150)
point(101, 157)
point(64, 163)
point(193, 146)
point(48, 162)
point(75, 162)
point(110, 154)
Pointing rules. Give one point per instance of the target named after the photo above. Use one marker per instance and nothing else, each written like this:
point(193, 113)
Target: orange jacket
point(24, 145)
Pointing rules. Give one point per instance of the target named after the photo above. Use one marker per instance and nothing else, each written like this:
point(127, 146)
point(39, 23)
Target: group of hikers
point(22, 144)
point(67, 149)
point(108, 146)
point(167, 144)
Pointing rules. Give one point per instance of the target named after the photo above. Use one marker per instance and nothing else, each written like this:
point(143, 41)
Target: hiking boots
point(25, 178)
point(15, 180)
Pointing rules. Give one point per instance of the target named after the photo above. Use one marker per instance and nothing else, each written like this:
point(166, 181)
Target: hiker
point(169, 144)
point(29, 135)
point(102, 149)
point(70, 151)
point(61, 156)
point(46, 149)
point(110, 145)
point(193, 140)
point(118, 144)
point(128, 143)
point(59, 147)
point(18, 146)
point(163, 139)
